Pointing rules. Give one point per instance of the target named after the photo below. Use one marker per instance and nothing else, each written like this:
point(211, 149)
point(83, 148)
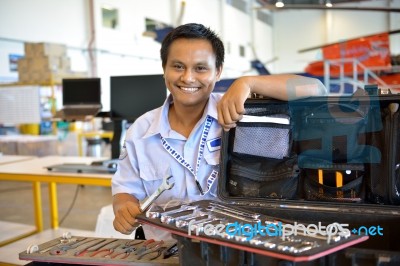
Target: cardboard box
point(40, 63)
point(65, 63)
point(29, 145)
point(37, 145)
point(48, 76)
point(44, 49)
point(8, 145)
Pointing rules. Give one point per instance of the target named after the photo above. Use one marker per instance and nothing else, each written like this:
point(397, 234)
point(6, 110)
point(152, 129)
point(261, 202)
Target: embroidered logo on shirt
point(214, 144)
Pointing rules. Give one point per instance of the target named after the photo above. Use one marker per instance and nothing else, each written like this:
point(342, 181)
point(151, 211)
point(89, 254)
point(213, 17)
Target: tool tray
point(293, 248)
point(52, 252)
point(321, 159)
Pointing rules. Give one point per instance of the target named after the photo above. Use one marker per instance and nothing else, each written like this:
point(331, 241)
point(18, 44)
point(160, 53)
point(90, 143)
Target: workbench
point(34, 170)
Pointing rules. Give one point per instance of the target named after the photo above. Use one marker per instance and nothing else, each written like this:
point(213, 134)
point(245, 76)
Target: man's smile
point(189, 89)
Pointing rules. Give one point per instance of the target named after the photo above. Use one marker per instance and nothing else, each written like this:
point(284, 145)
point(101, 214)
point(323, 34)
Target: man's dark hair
point(193, 31)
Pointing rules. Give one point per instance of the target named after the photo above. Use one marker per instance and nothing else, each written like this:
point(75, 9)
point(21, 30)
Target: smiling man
point(182, 137)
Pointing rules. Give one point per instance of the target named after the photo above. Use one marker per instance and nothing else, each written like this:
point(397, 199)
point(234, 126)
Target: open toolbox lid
point(380, 212)
point(251, 232)
point(374, 109)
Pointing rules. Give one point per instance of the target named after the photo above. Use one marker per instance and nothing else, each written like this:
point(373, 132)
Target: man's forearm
point(285, 86)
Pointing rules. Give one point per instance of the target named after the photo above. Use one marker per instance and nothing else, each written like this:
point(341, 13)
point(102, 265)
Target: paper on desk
point(265, 119)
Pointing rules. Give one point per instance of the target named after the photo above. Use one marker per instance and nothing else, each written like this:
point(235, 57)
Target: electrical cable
point(71, 206)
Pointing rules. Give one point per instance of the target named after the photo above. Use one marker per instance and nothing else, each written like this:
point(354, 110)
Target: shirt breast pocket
point(152, 176)
point(212, 159)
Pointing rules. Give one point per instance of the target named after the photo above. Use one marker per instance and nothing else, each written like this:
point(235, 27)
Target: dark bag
point(334, 184)
point(263, 178)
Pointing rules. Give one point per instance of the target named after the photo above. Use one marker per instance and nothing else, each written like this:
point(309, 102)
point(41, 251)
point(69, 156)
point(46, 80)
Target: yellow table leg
point(53, 205)
point(80, 144)
point(37, 199)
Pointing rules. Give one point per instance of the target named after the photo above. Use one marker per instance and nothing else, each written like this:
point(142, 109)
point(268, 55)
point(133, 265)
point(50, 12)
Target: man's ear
point(219, 72)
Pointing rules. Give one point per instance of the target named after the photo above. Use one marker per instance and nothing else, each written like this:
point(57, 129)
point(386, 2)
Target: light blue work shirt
point(144, 161)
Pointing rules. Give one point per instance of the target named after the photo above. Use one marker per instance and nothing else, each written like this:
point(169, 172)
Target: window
point(242, 51)
point(109, 16)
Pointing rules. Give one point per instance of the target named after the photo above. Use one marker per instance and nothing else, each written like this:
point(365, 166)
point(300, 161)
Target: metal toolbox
point(321, 160)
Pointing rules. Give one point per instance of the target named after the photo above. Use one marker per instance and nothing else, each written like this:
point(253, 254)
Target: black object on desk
point(83, 168)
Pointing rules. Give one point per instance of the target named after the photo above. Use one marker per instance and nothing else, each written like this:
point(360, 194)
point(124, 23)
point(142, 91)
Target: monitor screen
point(132, 96)
point(81, 91)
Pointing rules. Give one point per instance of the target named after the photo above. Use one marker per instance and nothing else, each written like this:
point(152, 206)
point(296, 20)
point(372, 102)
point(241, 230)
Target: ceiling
point(307, 2)
point(320, 4)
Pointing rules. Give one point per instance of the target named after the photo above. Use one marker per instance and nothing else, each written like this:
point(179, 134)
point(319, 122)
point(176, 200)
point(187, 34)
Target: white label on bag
point(265, 119)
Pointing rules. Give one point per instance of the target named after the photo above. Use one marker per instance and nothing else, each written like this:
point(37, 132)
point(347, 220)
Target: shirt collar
point(161, 124)
point(211, 108)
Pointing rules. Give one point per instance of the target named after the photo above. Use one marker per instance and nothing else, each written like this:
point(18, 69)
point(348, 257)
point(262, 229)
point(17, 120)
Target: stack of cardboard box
point(29, 145)
point(45, 63)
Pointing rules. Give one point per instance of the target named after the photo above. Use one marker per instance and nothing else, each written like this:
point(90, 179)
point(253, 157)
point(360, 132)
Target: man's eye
point(178, 66)
point(202, 68)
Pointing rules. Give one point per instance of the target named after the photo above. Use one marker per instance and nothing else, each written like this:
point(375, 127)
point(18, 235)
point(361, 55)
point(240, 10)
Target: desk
point(34, 171)
point(4, 159)
point(13, 231)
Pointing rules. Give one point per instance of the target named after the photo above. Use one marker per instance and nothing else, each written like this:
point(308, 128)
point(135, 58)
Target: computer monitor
point(81, 91)
point(132, 96)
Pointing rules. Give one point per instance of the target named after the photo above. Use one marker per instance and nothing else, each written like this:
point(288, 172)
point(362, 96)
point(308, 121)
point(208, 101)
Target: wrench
point(62, 242)
point(151, 214)
point(165, 185)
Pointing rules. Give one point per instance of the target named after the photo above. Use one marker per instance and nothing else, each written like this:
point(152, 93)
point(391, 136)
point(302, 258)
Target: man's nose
point(188, 76)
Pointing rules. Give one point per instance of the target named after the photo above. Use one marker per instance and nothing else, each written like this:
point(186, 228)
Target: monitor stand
point(120, 128)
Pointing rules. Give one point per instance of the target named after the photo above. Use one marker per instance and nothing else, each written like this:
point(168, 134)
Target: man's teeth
point(189, 89)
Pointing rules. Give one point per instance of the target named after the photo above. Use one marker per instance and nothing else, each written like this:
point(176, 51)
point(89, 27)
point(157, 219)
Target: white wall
point(124, 51)
point(57, 21)
point(295, 30)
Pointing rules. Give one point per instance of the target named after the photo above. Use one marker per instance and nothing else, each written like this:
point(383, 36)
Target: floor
point(78, 206)
point(16, 204)
point(16, 198)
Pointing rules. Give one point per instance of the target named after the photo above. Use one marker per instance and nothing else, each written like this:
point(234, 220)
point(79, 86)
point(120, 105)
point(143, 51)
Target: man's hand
point(231, 106)
point(126, 207)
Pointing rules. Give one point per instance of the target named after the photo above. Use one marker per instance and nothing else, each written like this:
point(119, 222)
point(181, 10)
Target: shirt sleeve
point(127, 179)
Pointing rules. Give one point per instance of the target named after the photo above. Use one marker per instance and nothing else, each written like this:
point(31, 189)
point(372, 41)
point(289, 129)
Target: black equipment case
point(329, 159)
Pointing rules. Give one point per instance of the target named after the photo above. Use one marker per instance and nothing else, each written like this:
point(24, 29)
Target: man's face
point(190, 72)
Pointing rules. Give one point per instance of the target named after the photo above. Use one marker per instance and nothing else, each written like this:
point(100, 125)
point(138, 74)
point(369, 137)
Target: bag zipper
point(246, 173)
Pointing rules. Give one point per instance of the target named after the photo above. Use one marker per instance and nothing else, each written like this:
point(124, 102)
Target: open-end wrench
point(165, 185)
point(171, 218)
point(215, 205)
point(158, 214)
point(62, 242)
point(62, 249)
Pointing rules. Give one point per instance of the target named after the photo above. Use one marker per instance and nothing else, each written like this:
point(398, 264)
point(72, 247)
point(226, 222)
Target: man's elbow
point(305, 87)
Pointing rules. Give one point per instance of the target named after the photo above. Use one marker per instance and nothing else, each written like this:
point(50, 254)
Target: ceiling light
point(279, 3)
point(328, 3)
